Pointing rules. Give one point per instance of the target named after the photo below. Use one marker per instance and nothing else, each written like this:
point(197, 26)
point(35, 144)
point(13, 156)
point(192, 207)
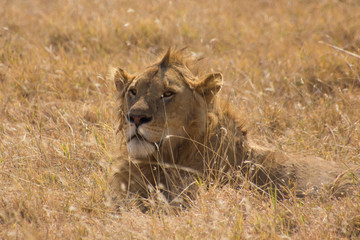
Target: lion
point(177, 132)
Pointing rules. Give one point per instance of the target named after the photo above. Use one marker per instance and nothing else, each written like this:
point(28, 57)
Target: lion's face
point(157, 103)
point(163, 105)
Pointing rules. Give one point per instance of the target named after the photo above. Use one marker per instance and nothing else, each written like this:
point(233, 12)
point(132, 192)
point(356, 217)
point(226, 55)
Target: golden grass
point(57, 119)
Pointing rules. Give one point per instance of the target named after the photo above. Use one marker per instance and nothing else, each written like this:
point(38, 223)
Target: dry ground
point(57, 117)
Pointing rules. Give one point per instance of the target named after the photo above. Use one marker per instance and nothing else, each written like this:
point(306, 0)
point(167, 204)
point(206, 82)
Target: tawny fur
point(194, 136)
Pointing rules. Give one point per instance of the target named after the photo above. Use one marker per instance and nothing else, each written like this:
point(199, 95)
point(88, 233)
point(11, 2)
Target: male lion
point(176, 132)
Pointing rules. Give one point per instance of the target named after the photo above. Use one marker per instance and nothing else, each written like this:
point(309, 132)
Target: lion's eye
point(132, 92)
point(167, 94)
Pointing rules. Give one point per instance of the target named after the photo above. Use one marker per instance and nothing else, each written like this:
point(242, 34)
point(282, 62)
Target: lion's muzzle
point(138, 119)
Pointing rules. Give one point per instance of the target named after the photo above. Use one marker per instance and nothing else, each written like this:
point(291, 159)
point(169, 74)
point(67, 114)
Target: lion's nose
point(138, 119)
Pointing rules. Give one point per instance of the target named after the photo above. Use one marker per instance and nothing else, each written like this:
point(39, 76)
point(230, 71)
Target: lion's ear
point(209, 86)
point(120, 77)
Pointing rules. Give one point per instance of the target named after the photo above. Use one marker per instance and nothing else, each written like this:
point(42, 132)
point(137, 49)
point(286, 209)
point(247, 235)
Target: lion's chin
point(140, 148)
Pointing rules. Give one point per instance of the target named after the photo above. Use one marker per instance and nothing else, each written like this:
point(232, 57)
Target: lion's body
point(175, 130)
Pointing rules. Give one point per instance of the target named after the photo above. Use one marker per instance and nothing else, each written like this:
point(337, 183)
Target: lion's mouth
point(137, 137)
point(140, 138)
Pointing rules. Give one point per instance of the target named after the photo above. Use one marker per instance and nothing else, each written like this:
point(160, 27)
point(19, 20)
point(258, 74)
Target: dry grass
point(57, 115)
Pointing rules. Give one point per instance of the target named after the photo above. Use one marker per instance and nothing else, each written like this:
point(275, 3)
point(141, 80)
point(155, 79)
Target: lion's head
point(163, 104)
